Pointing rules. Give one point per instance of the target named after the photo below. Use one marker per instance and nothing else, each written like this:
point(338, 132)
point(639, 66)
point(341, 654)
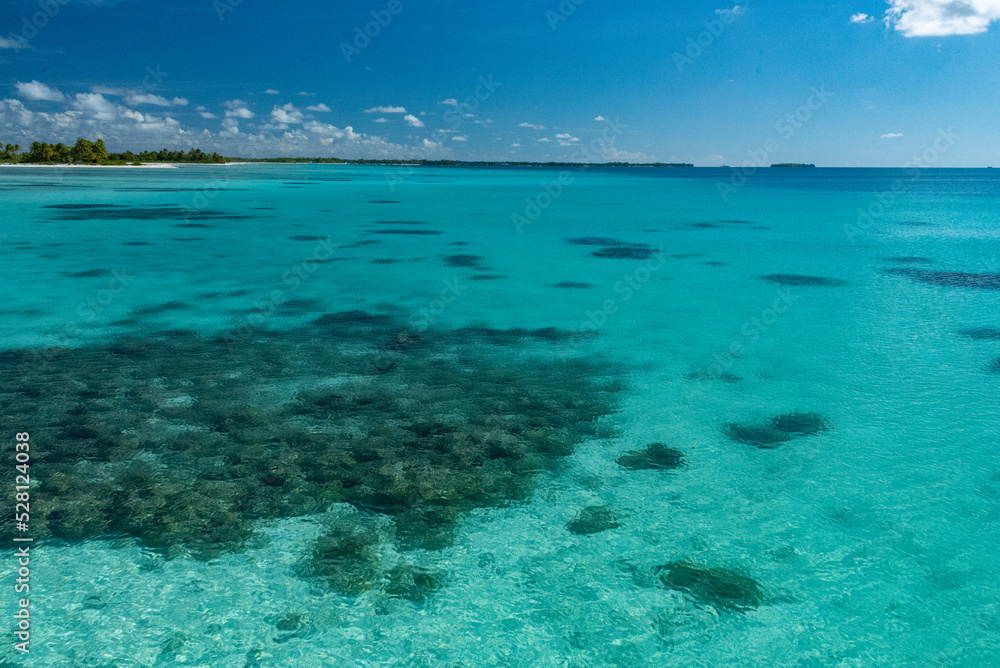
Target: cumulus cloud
point(139, 98)
point(600, 118)
point(934, 18)
point(36, 90)
point(386, 110)
point(413, 121)
point(318, 107)
point(95, 105)
point(533, 127)
point(544, 139)
point(892, 135)
point(207, 114)
point(271, 91)
point(451, 102)
point(460, 138)
point(237, 109)
point(286, 115)
point(380, 120)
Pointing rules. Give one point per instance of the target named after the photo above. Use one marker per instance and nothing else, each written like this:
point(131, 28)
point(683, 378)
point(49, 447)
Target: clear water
point(875, 541)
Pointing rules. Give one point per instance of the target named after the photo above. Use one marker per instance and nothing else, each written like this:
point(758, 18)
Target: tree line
point(86, 152)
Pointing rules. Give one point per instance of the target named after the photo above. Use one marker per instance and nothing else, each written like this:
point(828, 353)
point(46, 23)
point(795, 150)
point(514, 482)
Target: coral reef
point(182, 441)
point(720, 588)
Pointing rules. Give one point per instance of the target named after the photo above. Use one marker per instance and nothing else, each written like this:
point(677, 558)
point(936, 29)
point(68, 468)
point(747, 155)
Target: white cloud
point(427, 143)
point(735, 11)
point(612, 154)
point(36, 90)
point(15, 43)
point(380, 120)
point(544, 139)
point(133, 115)
point(17, 107)
point(271, 91)
point(451, 102)
point(207, 114)
point(237, 109)
point(861, 17)
point(306, 94)
point(138, 98)
point(892, 135)
point(318, 107)
point(533, 127)
point(386, 110)
point(413, 121)
point(516, 144)
point(600, 118)
point(286, 114)
point(933, 18)
point(96, 105)
point(460, 138)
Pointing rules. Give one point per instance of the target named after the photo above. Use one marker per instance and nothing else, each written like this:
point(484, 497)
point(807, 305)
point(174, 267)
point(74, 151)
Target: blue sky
point(856, 83)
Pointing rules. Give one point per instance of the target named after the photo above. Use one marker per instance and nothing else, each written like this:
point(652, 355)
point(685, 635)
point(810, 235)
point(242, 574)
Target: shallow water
point(861, 492)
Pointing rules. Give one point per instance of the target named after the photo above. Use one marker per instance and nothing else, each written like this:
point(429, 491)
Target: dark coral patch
point(463, 260)
point(714, 264)
point(91, 273)
point(625, 252)
point(655, 456)
point(136, 243)
point(722, 376)
point(413, 583)
point(720, 588)
point(573, 285)
point(399, 222)
point(803, 281)
point(486, 277)
point(780, 429)
point(165, 307)
point(952, 279)
point(593, 519)
point(183, 445)
point(353, 318)
point(994, 366)
point(982, 333)
point(306, 237)
point(410, 232)
point(909, 259)
point(705, 226)
point(916, 223)
point(192, 225)
point(386, 260)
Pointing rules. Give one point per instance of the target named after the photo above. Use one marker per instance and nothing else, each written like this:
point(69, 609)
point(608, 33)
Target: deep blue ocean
point(336, 415)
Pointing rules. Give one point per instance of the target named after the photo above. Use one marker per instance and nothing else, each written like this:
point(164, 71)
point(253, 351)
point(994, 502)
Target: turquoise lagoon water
point(873, 541)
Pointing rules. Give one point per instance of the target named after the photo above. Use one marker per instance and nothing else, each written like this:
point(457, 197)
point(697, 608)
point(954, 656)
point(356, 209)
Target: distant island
point(87, 152)
point(792, 164)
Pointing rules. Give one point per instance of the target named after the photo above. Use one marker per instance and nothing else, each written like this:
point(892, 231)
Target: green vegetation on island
point(86, 152)
point(792, 164)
